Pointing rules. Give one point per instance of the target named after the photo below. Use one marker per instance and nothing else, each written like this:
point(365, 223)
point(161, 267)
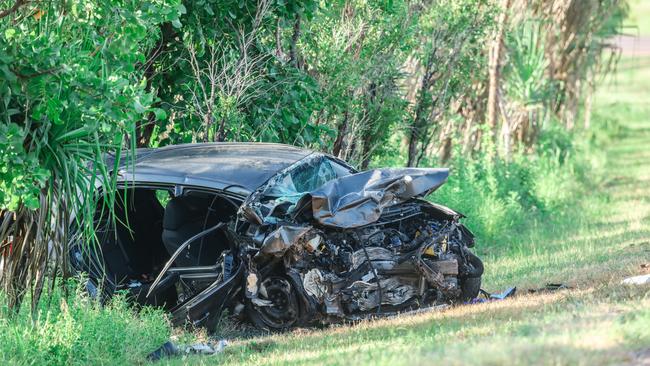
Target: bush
point(502, 197)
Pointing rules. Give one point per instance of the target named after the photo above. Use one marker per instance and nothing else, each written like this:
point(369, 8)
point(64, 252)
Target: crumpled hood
point(359, 199)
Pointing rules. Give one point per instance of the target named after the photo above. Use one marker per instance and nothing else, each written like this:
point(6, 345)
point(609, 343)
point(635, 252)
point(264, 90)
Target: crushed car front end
point(362, 245)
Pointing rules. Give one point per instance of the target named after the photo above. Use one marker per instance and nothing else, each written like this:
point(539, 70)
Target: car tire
point(470, 282)
point(470, 288)
point(268, 318)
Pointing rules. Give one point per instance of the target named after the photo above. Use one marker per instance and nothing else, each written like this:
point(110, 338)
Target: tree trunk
point(445, 151)
point(144, 129)
point(340, 135)
point(413, 147)
point(495, 70)
point(369, 131)
point(293, 53)
point(278, 40)
point(418, 119)
point(221, 132)
point(414, 134)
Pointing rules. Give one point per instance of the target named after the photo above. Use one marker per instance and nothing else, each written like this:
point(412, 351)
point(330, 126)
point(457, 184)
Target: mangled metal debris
point(170, 349)
point(315, 242)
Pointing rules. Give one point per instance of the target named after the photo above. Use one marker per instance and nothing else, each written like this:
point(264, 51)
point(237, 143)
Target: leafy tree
point(72, 89)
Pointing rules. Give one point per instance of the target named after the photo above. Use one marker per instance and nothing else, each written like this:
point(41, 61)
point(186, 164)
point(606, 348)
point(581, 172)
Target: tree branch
point(13, 9)
point(49, 71)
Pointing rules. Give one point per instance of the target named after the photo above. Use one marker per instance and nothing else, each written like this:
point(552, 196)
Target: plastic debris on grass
point(637, 280)
point(485, 296)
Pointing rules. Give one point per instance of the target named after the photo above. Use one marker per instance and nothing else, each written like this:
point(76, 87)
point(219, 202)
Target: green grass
point(72, 329)
point(591, 246)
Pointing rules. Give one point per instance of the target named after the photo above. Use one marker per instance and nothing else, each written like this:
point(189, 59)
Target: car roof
point(216, 165)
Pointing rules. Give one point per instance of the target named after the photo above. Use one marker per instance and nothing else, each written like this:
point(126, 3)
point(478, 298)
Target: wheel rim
point(283, 312)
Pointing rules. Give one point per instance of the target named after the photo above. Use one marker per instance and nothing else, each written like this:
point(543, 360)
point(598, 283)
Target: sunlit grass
point(581, 326)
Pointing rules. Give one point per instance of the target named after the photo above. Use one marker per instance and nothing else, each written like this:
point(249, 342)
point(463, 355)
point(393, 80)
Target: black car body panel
point(278, 235)
point(213, 165)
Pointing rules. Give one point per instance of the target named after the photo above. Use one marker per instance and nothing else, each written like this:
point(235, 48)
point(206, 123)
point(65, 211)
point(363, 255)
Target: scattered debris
point(485, 296)
point(550, 287)
point(169, 349)
point(637, 280)
point(505, 294)
point(207, 348)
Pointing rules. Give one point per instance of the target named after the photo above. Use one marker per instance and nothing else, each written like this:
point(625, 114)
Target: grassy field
point(591, 248)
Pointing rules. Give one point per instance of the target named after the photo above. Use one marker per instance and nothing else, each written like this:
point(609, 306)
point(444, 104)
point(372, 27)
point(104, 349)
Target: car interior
point(151, 225)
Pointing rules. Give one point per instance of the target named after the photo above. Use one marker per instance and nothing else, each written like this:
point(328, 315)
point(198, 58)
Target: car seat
point(184, 217)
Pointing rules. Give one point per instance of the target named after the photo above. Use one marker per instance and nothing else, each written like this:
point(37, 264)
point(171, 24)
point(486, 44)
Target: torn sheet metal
point(283, 238)
point(359, 199)
point(392, 292)
point(315, 284)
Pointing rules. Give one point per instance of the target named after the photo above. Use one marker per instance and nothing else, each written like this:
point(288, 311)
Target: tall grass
point(70, 328)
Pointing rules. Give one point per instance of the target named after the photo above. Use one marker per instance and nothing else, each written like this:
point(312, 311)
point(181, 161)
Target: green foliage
point(451, 56)
point(526, 65)
point(72, 329)
point(72, 90)
point(283, 114)
point(21, 177)
point(501, 197)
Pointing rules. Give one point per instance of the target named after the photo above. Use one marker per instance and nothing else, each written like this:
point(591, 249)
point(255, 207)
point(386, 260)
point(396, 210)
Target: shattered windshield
point(306, 176)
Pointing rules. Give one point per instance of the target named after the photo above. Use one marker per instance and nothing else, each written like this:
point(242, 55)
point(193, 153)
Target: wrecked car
point(278, 235)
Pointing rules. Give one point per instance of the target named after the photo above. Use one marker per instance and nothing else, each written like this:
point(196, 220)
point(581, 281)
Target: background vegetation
point(500, 91)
